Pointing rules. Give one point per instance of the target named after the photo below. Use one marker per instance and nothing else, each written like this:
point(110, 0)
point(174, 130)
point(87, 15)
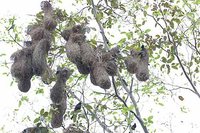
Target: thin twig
point(138, 116)
point(103, 125)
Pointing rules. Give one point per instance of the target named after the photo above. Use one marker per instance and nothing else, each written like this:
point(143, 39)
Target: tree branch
point(137, 114)
point(105, 40)
point(103, 125)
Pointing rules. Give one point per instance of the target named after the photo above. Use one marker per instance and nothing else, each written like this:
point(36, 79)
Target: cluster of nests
point(137, 63)
point(97, 62)
point(31, 60)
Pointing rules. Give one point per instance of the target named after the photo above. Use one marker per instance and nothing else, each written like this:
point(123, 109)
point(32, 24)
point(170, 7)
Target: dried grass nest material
point(132, 61)
point(88, 54)
point(101, 77)
point(82, 68)
point(21, 69)
point(142, 73)
point(36, 130)
point(58, 90)
point(72, 129)
point(111, 68)
point(49, 23)
point(58, 112)
point(38, 33)
point(40, 53)
point(73, 51)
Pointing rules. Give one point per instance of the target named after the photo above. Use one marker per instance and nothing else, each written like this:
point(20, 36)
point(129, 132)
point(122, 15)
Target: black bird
point(78, 106)
point(133, 127)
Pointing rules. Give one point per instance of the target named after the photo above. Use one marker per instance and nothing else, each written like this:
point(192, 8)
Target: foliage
point(169, 29)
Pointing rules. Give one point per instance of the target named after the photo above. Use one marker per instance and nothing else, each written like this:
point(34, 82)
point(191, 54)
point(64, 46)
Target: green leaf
point(36, 120)
point(88, 107)
point(197, 2)
point(41, 111)
point(122, 41)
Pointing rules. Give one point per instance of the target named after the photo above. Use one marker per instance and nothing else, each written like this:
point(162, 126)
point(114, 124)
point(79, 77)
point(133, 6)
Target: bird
point(78, 106)
point(133, 127)
point(76, 109)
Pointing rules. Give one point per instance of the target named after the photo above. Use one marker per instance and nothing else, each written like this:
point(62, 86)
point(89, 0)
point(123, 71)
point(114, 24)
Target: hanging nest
point(115, 52)
point(46, 6)
point(22, 66)
point(24, 84)
point(92, 79)
point(58, 112)
point(111, 68)
point(58, 91)
point(78, 29)
point(78, 38)
point(72, 129)
point(36, 130)
point(66, 34)
point(21, 69)
point(37, 33)
point(131, 62)
point(88, 55)
point(73, 51)
point(142, 73)
point(39, 57)
point(100, 75)
point(49, 23)
point(82, 68)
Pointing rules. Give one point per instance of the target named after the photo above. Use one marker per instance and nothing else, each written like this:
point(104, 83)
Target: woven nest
point(78, 29)
point(73, 51)
point(72, 129)
point(39, 61)
point(131, 61)
point(142, 73)
point(57, 92)
point(45, 5)
point(111, 68)
point(24, 84)
point(66, 34)
point(131, 64)
point(77, 38)
point(49, 23)
point(58, 113)
point(37, 33)
point(92, 78)
point(100, 75)
point(115, 51)
point(36, 130)
point(82, 68)
point(22, 66)
point(87, 54)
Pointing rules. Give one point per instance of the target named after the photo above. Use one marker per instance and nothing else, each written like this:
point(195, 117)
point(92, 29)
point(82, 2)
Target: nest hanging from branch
point(36, 130)
point(88, 55)
point(131, 62)
point(111, 68)
point(39, 57)
point(72, 129)
point(101, 77)
point(21, 69)
point(142, 73)
point(58, 112)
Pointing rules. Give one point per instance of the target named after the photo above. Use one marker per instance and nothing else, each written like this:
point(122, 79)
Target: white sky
point(181, 122)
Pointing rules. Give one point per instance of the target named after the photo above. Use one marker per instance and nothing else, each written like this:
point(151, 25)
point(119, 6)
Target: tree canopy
point(119, 101)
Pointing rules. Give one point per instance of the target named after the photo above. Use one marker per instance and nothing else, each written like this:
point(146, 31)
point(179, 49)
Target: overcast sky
point(181, 122)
